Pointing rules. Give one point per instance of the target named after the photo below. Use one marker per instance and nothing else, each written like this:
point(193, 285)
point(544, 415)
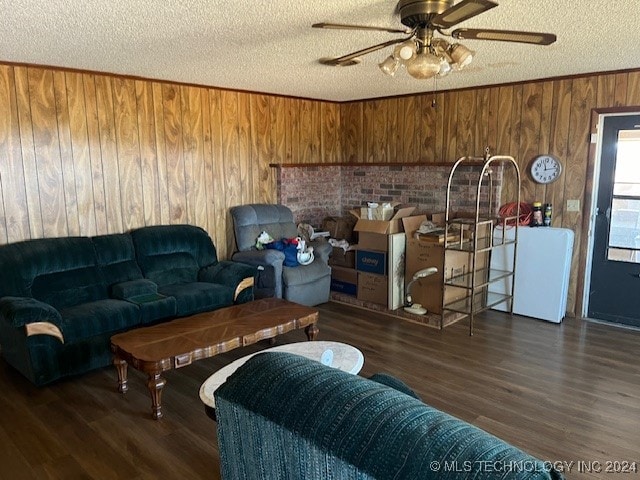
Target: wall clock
point(545, 169)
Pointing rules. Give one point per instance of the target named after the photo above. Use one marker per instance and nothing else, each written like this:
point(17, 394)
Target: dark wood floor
point(568, 392)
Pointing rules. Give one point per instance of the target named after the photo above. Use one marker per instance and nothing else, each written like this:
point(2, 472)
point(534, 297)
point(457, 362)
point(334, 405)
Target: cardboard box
point(373, 235)
point(373, 241)
point(344, 287)
point(484, 231)
point(438, 219)
point(411, 224)
point(392, 295)
point(429, 291)
point(420, 255)
point(344, 280)
point(372, 288)
point(371, 261)
point(437, 236)
point(392, 225)
point(349, 275)
point(456, 230)
point(340, 228)
point(341, 258)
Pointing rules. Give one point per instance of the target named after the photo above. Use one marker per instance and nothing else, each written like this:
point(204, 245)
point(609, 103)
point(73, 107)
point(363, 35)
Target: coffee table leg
point(312, 331)
point(121, 366)
point(155, 384)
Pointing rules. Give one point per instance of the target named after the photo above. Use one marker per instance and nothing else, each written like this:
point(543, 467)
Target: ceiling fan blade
point(342, 26)
point(347, 60)
point(535, 38)
point(462, 11)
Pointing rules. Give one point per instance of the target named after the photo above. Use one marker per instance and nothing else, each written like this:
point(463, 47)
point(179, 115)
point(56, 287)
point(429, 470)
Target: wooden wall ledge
point(385, 164)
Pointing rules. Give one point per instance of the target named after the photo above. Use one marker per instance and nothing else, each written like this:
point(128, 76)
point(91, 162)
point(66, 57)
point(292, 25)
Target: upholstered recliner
point(304, 284)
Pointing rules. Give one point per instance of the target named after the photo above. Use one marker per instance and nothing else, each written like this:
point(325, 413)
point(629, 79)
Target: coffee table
point(334, 354)
point(180, 342)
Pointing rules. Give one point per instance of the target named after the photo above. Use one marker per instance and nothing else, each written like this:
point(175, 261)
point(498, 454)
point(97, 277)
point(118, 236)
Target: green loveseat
point(61, 299)
point(284, 416)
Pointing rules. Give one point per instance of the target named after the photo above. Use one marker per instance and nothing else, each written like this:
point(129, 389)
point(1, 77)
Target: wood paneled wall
point(89, 154)
point(521, 120)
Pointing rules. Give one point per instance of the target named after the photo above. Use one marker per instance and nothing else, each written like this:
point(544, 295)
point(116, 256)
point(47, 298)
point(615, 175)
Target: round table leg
point(312, 331)
point(121, 367)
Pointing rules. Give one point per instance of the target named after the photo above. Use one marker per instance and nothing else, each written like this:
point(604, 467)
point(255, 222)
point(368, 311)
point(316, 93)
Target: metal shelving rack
point(476, 237)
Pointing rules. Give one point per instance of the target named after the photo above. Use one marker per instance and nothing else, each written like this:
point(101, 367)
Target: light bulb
point(445, 67)
point(404, 51)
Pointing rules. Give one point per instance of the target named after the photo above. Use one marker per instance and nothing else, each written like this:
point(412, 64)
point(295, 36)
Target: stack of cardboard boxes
point(380, 254)
point(389, 253)
point(428, 250)
point(344, 278)
point(377, 272)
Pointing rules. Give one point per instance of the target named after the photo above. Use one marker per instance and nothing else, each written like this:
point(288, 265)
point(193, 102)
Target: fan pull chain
point(434, 104)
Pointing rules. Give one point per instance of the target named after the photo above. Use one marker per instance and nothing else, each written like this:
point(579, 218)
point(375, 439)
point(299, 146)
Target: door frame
point(591, 193)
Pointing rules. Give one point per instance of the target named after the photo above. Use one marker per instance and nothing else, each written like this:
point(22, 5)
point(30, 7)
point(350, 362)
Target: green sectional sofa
point(61, 299)
point(285, 416)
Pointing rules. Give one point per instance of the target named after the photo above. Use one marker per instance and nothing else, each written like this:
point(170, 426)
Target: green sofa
point(283, 416)
point(61, 299)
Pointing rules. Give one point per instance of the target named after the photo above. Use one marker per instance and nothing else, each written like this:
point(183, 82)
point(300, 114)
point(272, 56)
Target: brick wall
point(314, 192)
point(311, 193)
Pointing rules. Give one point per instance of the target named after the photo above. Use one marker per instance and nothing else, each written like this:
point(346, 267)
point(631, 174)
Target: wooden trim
point(586, 206)
point(604, 111)
point(245, 283)
point(368, 164)
point(43, 328)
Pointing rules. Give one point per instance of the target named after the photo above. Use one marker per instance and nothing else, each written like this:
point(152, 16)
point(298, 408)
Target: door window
point(624, 227)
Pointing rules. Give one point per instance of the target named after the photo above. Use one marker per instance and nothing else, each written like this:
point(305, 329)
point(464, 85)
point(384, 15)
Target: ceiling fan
point(420, 51)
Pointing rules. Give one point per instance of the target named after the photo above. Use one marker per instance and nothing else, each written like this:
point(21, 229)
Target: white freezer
point(543, 265)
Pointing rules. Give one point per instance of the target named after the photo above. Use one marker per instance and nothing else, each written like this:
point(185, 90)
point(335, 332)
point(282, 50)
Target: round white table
point(334, 354)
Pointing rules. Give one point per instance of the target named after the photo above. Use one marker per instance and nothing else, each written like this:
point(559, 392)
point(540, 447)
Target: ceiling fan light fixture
point(423, 66)
point(405, 51)
point(424, 54)
point(460, 55)
point(389, 65)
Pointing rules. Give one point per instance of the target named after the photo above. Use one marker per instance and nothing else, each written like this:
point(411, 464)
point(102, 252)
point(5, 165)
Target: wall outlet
point(573, 205)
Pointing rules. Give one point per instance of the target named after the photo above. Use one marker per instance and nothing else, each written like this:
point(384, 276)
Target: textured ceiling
point(269, 46)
